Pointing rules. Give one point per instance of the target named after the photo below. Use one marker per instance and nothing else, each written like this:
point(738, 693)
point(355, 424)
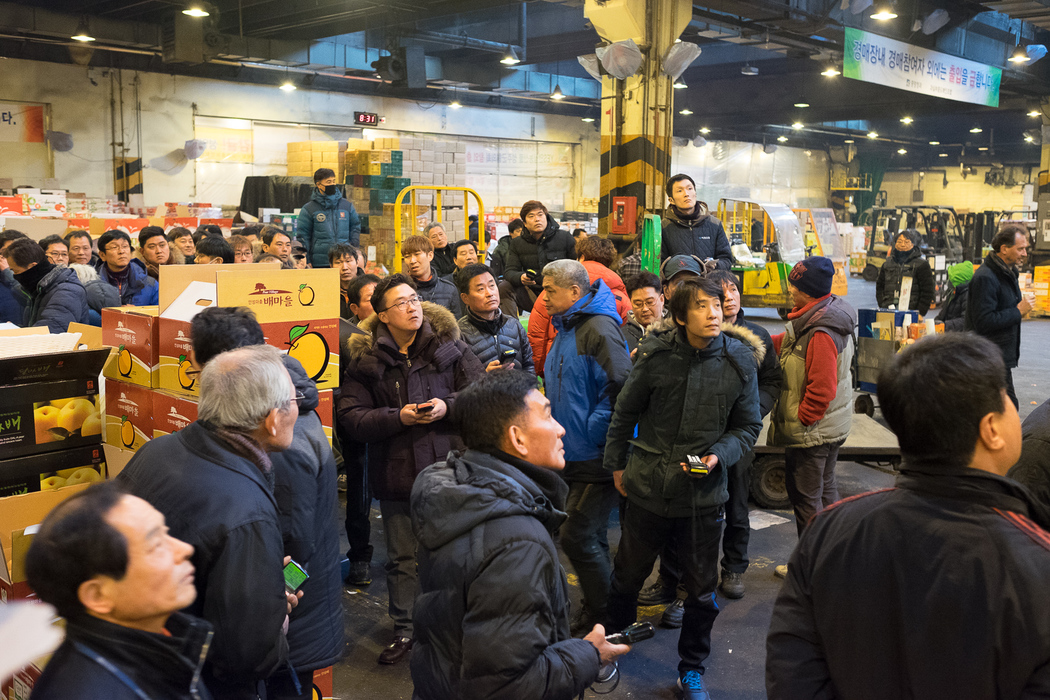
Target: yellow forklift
point(767, 240)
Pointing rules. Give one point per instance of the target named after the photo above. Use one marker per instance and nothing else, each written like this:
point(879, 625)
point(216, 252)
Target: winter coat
point(1033, 468)
point(953, 310)
point(991, 309)
point(933, 589)
point(770, 376)
point(891, 276)
point(307, 502)
point(163, 667)
point(140, 290)
point(379, 381)
point(497, 258)
point(12, 299)
point(100, 295)
point(834, 317)
point(325, 220)
point(222, 504)
point(492, 614)
point(58, 301)
point(442, 292)
point(542, 331)
point(680, 401)
point(530, 253)
point(444, 263)
point(489, 346)
point(703, 237)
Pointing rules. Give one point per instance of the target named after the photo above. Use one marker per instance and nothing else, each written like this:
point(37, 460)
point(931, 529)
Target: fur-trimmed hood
point(666, 326)
point(440, 320)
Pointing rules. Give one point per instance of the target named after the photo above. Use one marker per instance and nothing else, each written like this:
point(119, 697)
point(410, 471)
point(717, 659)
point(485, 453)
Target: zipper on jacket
point(194, 691)
point(397, 388)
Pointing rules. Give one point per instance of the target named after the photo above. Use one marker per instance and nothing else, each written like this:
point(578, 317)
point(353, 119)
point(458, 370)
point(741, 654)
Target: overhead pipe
point(459, 41)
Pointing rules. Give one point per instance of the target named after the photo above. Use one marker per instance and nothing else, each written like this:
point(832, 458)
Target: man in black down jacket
point(688, 227)
point(487, 330)
point(307, 501)
point(995, 306)
point(935, 588)
point(905, 261)
point(492, 617)
point(541, 241)
point(417, 257)
point(56, 296)
point(213, 482)
point(399, 385)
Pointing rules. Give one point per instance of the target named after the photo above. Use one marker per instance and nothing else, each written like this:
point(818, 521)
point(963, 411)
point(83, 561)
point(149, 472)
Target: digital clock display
point(367, 118)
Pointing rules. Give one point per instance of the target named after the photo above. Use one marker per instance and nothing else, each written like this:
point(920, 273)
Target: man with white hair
point(213, 482)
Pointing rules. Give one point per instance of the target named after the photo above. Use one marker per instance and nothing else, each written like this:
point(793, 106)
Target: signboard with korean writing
point(878, 59)
point(21, 122)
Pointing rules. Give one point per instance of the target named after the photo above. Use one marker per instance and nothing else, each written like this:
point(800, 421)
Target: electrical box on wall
point(623, 216)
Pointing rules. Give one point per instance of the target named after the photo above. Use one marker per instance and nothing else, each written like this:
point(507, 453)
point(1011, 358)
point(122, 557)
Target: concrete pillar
point(637, 113)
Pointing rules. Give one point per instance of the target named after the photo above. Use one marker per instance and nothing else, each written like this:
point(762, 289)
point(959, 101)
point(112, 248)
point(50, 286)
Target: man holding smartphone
point(497, 339)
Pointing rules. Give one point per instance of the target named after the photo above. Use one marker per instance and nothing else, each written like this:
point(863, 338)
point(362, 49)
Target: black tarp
point(286, 194)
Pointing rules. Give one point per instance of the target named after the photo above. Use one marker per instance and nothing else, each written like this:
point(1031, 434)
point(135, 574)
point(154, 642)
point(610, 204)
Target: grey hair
point(240, 387)
point(567, 273)
point(85, 273)
point(434, 224)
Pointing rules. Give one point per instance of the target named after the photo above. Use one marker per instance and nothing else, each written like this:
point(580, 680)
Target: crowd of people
point(653, 395)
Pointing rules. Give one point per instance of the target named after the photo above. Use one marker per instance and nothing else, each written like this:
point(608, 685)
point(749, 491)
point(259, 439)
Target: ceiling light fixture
point(1019, 55)
point(782, 139)
point(511, 57)
point(454, 104)
point(1035, 110)
point(848, 141)
point(557, 94)
point(982, 148)
point(884, 11)
point(288, 86)
point(976, 129)
point(749, 69)
point(686, 112)
point(196, 11)
point(82, 32)
point(873, 135)
point(831, 71)
point(798, 125)
point(935, 143)
point(802, 105)
point(902, 151)
point(587, 119)
point(704, 130)
point(943, 155)
point(1029, 139)
point(906, 120)
point(679, 85)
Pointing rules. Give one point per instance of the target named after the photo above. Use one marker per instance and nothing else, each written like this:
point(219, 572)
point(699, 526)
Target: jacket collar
point(204, 443)
point(1000, 267)
point(484, 325)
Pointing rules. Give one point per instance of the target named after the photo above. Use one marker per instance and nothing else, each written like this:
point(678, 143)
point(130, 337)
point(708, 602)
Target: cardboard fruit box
point(171, 412)
point(129, 415)
point(132, 331)
point(52, 470)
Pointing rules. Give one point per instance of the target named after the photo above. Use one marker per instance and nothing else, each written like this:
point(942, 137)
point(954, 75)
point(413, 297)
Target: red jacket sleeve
point(541, 332)
point(822, 378)
point(778, 340)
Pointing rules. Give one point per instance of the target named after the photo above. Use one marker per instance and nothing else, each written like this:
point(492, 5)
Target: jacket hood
point(700, 210)
point(441, 321)
point(663, 334)
point(59, 275)
point(328, 201)
point(452, 497)
point(303, 384)
point(749, 338)
point(599, 300)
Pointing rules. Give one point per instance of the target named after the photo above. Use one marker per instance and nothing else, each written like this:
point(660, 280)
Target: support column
point(637, 113)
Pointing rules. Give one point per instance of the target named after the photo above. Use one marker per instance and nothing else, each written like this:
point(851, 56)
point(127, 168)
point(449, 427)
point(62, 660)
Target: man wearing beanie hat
point(813, 414)
point(953, 311)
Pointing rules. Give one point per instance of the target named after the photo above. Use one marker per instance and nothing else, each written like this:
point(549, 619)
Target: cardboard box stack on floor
point(305, 157)
point(1041, 289)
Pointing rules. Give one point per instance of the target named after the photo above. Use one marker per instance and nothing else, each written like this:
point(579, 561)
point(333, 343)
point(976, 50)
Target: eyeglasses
point(298, 400)
point(118, 249)
point(415, 301)
point(645, 304)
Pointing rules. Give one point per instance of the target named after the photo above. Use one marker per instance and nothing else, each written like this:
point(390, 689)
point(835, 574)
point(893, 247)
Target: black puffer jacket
point(221, 503)
point(440, 291)
point(527, 252)
point(892, 274)
point(492, 615)
point(444, 263)
point(379, 380)
point(488, 339)
point(992, 310)
point(934, 589)
point(58, 300)
point(1033, 469)
point(700, 234)
point(163, 667)
point(953, 312)
point(307, 501)
point(497, 256)
point(770, 376)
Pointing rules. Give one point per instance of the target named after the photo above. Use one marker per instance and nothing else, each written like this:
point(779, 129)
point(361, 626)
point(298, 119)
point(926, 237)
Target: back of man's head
point(217, 329)
point(595, 248)
point(9, 235)
point(215, 247)
point(936, 394)
point(23, 252)
point(239, 388)
point(486, 409)
point(74, 545)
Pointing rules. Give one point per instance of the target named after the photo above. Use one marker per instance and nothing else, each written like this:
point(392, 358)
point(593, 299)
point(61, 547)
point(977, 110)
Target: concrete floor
point(736, 665)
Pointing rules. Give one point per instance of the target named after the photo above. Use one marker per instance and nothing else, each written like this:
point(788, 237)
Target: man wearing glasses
point(647, 307)
point(117, 268)
point(399, 385)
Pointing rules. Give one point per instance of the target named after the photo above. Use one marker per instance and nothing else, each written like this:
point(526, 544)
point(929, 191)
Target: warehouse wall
point(82, 108)
point(969, 194)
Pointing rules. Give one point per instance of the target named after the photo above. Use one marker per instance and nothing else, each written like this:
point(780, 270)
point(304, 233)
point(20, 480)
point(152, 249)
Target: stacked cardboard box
point(131, 374)
point(305, 157)
point(1041, 289)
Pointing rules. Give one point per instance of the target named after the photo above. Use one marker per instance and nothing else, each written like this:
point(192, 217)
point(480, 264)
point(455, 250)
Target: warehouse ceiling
point(331, 44)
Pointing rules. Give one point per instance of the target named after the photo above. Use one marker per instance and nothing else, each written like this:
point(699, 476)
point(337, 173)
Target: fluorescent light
point(902, 151)
point(704, 130)
point(798, 125)
point(906, 120)
point(848, 141)
point(195, 11)
point(831, 71)
point(943, 155)
point(588, 119)
point(455, 104)
point(679, 85)
point(873, 135)
point(976, 130)
point(782, 139)
point(686, 112)
point(1031, 113)
point(288, 86)
point(982, 148)
point(935, 143)
point(802, 105)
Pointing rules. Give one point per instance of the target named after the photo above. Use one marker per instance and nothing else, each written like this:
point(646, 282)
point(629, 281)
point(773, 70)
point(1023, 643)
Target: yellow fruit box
point(50, 402)
point(171, 412)
point(132, 332)
point(52, 470)
point(129, 415)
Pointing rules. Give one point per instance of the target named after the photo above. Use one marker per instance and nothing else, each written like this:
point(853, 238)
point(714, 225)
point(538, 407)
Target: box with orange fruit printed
point(129, 415)
point(132, 332)
point(37, 415)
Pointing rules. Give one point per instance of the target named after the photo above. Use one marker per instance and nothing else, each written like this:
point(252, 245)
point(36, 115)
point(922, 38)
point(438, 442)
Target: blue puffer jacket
point(140, 290)
point(12, 299)
point(584, 372)
point(58, 301)
point(325, 220)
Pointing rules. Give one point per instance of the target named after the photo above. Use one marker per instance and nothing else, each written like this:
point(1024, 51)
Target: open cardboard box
point(132, 332)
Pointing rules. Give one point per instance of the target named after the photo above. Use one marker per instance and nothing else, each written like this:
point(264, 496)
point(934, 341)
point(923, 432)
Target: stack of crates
point(1041, 288)
point(305, 157)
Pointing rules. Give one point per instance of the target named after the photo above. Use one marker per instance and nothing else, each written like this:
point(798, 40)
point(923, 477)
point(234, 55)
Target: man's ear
point(270, 422)
point(517, 441)
point(96, 595)
point(463, 297)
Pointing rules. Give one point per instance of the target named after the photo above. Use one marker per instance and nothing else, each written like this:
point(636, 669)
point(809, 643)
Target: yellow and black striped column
point(635, 167)
point(127, 177)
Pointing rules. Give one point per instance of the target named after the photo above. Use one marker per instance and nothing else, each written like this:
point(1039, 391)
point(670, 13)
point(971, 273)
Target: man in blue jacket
point(55, 296)
point(129, 276)
point(328, 218)
point(584, 371)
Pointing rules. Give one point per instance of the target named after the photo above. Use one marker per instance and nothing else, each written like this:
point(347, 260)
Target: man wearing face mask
point(328, 218)
point(689, 228)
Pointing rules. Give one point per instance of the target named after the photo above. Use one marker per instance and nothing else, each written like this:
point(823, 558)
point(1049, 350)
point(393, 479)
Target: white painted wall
point(969, 194)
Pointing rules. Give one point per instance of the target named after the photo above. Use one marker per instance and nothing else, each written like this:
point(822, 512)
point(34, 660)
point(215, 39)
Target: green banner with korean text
point(878, 59)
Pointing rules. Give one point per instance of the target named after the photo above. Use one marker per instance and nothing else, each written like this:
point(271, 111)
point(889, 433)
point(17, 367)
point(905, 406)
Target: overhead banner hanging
point(878, 59)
